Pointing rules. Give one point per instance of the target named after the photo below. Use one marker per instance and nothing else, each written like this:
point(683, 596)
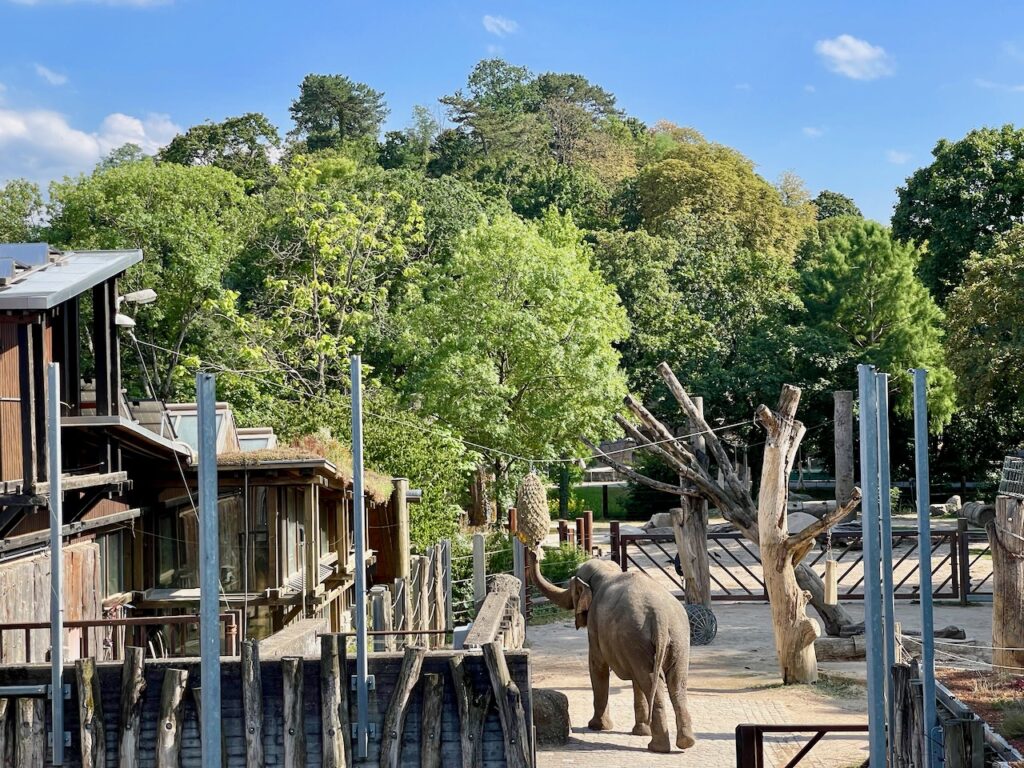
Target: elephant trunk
point(556, 595)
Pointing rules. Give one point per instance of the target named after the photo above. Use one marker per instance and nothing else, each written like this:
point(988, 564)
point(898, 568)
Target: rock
point(659, 520)
point(799, 520)
point(936, 510)
point(953, 504)
point(551, 717)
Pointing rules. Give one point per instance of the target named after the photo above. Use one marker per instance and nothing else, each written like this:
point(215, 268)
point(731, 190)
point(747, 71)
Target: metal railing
point(750, 740)
point(159, 643)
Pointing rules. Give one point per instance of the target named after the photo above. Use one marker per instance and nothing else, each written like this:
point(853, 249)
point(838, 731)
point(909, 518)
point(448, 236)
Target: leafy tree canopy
point(243, 145)
point(332, 109)
point(829, 204)
point(862, 294)
point(971, 192)
point(21, 206)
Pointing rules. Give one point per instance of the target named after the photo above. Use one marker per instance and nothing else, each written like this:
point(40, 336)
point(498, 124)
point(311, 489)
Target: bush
point(560, 564)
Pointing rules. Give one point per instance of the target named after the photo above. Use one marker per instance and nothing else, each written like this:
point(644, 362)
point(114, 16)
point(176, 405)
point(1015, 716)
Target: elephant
point(639, 631)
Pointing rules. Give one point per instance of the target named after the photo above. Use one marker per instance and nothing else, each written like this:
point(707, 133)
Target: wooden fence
point(418, 610)
point(426, 708)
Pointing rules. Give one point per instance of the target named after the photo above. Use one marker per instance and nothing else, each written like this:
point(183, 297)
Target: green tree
point(863, 296)
point(410, 148)
point(190, 223)
point(829, 204)
point(510, 342)
point(986, 336)
point(21, 206)
point(122, 155)
point(332, 109)
point(971, 192)
point(243, 145)
point(719, 188)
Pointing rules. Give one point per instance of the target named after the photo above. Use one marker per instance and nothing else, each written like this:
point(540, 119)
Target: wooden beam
point(92, 735)
point(332, 687)
point(473, 709)
point(398, 707)
point(252, 704)
point(311, 560)
point(170, 726)
point(488, 619)
point(39, 386)
point(102, 329)
point(294, 721)
point(26, 383)
point(72, 529)
point(80, 482)
point(510, 707)
point(133, 686)
point(430, 720)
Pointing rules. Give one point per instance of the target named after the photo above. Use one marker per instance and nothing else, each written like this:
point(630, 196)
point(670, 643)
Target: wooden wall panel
point(10, 404)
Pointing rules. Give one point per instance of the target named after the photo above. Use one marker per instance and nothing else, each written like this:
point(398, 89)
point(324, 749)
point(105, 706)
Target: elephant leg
point(676, 683)
point(602, 720)
point(660, 741)
point(640, 711)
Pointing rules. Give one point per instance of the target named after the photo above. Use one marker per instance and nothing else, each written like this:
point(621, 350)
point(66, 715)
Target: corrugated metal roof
point(73, 273)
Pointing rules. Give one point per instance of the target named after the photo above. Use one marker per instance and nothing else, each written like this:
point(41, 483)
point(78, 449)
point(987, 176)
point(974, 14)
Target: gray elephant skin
point(639, 631)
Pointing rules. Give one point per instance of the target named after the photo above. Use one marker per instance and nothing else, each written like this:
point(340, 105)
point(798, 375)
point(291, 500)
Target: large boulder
point(551, 717)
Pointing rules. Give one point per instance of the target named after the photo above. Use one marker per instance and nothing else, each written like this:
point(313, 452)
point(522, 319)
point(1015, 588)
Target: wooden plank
point(332, 681)
point(133, 686)
point(394, 720)
point(473, 709)
point(294, 732)
point(26, 384)
point(92, 736)
point(40, 332)
point(91, 480)
point(421, 598)
point(430, 721)
point(30, 750)
point(170, 725)
point(312, 558)
point(440, 615)
point(488, 620)
point(6, 732)
point(252, 703)
point(510, 708)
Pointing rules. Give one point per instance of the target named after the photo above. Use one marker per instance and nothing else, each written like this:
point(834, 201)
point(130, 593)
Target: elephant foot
point(685, 739)
point(603, 723)
point(641, 729)
point(660, 743)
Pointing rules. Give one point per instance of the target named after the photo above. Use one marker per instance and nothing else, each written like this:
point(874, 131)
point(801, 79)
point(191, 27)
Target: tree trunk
point(1006, 538)
point(844, 446)
point(479, 513)
point(690, 526)
point(795, 633)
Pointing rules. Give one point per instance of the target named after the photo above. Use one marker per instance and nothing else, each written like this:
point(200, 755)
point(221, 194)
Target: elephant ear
point(581, 597)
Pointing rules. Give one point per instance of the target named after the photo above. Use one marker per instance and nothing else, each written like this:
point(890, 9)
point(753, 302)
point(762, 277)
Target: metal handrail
point(750, 740)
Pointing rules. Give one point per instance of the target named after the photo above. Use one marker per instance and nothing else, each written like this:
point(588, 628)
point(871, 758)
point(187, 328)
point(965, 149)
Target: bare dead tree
point(791, 585)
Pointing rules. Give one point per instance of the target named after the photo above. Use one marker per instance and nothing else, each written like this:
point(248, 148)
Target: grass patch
point(839, 686)
point(1012, 726)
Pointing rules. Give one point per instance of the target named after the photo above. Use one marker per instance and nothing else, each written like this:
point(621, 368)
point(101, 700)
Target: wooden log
point(332, 680)
point(473, 709)
point(440, 613)
point(294, 730)
point(1006, 539)
point(690, 528)
point(252, 704)
point(510, 708)
point(581, 539)
point(843, 419)
point(840, 648)
point(169, 728)
point(430, 722)
point(92, 735)
point(488, 620)
point(133, 686)
point(197, 701)
point(421, 599)
point(6, 732)
point(978, 514)
point(398, 707)
point(588, 531)
point(30, 748)
point(963, 743)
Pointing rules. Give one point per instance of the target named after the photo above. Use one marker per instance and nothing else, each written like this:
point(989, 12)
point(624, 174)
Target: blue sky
point(850, 96)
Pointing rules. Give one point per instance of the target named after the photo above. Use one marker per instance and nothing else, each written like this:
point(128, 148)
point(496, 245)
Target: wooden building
point(129, 485)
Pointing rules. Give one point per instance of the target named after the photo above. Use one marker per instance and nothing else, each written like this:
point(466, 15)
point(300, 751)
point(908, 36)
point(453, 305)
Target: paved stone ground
point(734, 680)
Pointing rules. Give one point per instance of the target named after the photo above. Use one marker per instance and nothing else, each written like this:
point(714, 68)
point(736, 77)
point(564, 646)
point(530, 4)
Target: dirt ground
point(734, 680)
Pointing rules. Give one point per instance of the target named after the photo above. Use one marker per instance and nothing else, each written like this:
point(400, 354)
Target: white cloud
point(991, 86)
point(499, 25)
point(813, 133)
point(896, 157)
point(809, 89)
point(855, 58)
point(53, 78)
point(41, 145)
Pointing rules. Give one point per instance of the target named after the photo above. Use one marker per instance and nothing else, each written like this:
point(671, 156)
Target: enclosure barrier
point(750, 740)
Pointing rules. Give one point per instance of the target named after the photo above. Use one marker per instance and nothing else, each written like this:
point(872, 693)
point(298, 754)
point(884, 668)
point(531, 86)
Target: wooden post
point(294, 731)
point(613, 540)
point(421, 598)
point(6, 732)
point(510, 707)
point(479, 568)
point(169, 728)
point(581, 538)
point(690, 529)
point(513, 520)
point(388, 608)
point(563, 532)
point(30, 747)
point(588, 531)
point(430, 722)
point(332, 679)
point(440, 615)
point(378, 596)
point(604, 501)
point(252, 703)
point(403, 610)
point(1006, 539)
point(394, 719)
point(133, 686)
point(843, 417)
point(92, 736)
point(473, 708)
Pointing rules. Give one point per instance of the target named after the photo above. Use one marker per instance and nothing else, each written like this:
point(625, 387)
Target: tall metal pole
point(209, 570)
point(872, 588)
point(56, 562)
point(885, 514)
point(359, 513)
point(925, 562)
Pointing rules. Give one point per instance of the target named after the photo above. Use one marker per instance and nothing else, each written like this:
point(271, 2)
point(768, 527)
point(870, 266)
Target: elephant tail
point(661, 641)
